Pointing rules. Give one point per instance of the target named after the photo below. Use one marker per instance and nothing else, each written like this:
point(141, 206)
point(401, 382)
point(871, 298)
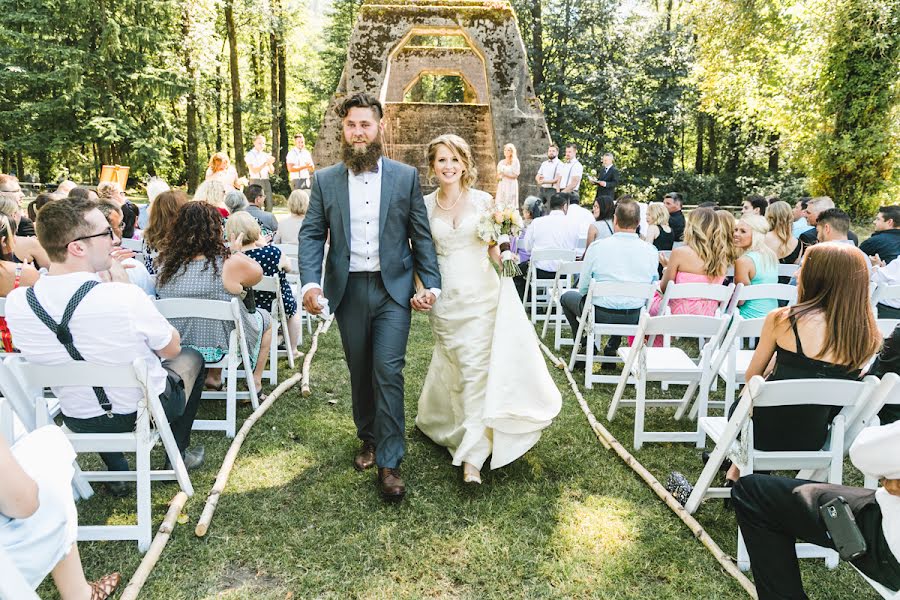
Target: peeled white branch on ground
point(225, 471)
point(307, 362)
point(610, 442)
point(159, 542)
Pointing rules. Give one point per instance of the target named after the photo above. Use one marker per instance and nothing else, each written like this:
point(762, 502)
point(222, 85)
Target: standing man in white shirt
point(571, 172)
point(552, 231)
point(300, 164)
point(774, 512)
point(548, 175)
point(261, 164)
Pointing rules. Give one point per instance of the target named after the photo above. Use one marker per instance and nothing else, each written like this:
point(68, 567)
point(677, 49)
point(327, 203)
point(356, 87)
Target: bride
point(488, 391)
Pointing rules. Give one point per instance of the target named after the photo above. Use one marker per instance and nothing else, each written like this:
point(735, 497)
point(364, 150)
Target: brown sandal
point(105, 586)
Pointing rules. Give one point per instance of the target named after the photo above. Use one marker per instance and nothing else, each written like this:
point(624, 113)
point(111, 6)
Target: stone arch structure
point(499, 104)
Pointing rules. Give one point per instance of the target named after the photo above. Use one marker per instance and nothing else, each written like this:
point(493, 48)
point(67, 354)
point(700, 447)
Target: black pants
point(374, 332)
point(573, 305)
point(185, 372)
point(887, 312)
point(774, 512)
point(544, 194)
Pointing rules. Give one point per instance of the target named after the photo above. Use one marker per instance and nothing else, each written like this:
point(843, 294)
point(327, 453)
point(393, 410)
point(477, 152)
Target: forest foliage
point(713, 98)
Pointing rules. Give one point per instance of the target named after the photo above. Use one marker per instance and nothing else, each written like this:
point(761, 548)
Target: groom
point(373, 209)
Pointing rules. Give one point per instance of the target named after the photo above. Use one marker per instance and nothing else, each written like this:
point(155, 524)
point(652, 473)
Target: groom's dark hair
point(359, 100)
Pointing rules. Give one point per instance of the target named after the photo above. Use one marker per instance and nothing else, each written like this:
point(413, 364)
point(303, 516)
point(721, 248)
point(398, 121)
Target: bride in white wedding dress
point(488, 391)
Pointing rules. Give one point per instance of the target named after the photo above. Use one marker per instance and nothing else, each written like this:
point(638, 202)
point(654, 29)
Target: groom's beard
point(362, 160)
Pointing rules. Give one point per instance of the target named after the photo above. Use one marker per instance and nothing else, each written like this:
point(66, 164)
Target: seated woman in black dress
point(829, 334)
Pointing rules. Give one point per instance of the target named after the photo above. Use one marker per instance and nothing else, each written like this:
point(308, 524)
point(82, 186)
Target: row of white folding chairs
point(22, 384)
point(859, 403)
point(538, 290)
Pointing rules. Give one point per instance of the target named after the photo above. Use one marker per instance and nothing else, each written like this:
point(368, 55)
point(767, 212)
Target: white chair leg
point(701, 411)
point(743, 557)
point(142, 460)
point(589, 350)
point(231, 397)
point(641, 396)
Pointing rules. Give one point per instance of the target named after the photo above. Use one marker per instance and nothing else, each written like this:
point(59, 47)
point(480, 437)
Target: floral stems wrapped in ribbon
point(499, 227)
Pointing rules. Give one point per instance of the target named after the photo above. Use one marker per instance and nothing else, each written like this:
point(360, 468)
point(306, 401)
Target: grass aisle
point(568, 520)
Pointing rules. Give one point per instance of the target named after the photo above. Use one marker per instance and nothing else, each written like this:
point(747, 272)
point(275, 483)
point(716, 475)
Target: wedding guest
point(673, 202)
point(39, 201)
point(608, 178)
point(235, 201)
point(12, 275)
point(754, 205)
point(212, 192)
point(39, 520)
point(261, 164)
point(256, 199)
point(162, 218)
point(602, 227)
point(112, 191)
point(27, 249)
point(220, 169)
point(299, 164)
point(885, 241)
point(622, 257)
point(571, 172)
point(554, 231)
point(195, 263)
point(658, 231)
point(289, 227)
point(155, 187)
point(548, 176)
point(829, 334)
point(780, 237)
point(10, 188)
point(704, 258)
point(582, 217)
point(757, 265)
point(508, 171)
point(531, 210)
point(273, 264)
point(79, 242)
point(814, 208)
point(775, 512)
point(801, 225)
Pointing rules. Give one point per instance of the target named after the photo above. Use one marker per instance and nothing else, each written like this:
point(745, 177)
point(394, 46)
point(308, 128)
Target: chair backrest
point(885, 292)
point(798, 392)
point(666, 253)
point(269, 283)
point(886, 326)
point(787, 270)
point(677, 245)
point(291, 252)
point(691, 326)
point(135, 245)
point(569, 268)
point(178, 308)
point(560, 254)
point(700, 291)
point(643, 291)
point(778, 291)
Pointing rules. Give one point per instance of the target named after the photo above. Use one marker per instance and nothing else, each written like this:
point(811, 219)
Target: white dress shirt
point(257, 164)
point(555, 231)
point(365, 206)
point(582, 216)
point(550, 169)
point(299, 157)
point(876, 452)
point(888, 275)
point(569, 170)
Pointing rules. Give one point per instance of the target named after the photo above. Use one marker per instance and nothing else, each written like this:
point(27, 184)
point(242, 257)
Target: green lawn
point(568, 520)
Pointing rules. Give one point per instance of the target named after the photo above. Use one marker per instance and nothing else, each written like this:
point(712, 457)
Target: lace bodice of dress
point(449, 239)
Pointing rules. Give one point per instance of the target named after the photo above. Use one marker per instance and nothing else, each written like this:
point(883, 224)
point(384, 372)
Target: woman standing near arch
point(508, 178)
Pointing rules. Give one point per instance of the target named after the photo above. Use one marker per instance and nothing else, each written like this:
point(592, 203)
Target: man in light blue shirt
point(801, 225)
point(623, 257)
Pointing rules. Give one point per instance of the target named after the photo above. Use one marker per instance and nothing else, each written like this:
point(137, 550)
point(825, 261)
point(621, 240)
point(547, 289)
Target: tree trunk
point(237, 130)
point(218, 108)
point(698, 154)
point(190, 157)
point(732, 155)
point(537, 43)
point(712, 165)
point(20, 165)
point(273, 91)
point(282, 92)
point(773, 153)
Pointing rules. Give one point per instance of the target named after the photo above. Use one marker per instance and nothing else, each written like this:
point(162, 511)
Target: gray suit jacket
point(404, 242)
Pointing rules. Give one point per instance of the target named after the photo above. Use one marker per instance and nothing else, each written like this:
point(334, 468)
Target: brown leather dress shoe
point(365, 458)
point(391, 485)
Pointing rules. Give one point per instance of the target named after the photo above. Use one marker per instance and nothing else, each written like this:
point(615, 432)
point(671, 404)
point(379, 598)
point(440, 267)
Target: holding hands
point(422, 301)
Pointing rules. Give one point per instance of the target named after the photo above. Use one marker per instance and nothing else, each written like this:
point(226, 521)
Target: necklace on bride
point(437, 199)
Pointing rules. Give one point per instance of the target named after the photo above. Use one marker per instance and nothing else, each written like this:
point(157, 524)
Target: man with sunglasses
point(86, 309)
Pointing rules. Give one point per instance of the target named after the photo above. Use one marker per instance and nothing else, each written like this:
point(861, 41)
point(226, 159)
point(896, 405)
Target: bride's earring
point(471, 474)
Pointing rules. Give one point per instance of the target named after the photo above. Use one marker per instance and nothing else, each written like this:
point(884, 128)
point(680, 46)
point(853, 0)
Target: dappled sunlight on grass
point(595, 529)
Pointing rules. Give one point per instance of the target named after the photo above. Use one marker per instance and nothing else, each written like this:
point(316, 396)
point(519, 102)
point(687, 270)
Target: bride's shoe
point(471, 474)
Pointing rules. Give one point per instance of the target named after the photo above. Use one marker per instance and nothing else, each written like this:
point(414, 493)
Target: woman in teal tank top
point(758, 264)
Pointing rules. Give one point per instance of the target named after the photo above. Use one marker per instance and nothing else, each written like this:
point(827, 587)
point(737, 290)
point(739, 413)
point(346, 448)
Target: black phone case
point(842, 528)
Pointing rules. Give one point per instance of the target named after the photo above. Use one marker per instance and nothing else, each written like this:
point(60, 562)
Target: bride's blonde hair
point(460, 148)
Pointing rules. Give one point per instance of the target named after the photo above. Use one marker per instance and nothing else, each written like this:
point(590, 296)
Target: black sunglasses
point(108, 231)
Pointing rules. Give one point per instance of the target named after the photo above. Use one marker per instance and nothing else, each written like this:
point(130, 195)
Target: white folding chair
point(879, 589)
point(645, 363)
point(272, 284)
point(775, 291)
point(593, 330)
point(788, 270)
point(219, 310)
point(133, 245)
point(721, 294)
point(853, 397)
point(32, 378)
point(886, 326)
point(883, 292)
point(562, 283)
point(539, 288)
point(293, 278)
point(12, 583)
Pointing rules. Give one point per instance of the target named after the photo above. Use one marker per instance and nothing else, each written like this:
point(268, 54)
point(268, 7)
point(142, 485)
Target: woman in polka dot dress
point(273, 264)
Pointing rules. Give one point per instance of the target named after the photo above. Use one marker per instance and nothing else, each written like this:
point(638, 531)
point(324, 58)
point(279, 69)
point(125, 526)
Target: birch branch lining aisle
point(159, 542)
point(610, 442)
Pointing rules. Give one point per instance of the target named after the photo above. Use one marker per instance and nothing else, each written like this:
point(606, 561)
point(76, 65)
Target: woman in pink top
point(704, 258)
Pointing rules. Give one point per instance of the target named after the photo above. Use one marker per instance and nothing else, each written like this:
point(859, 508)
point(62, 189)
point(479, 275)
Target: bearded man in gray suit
point(379, 235)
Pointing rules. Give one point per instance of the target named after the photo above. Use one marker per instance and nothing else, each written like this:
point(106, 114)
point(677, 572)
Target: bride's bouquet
point(500, 226)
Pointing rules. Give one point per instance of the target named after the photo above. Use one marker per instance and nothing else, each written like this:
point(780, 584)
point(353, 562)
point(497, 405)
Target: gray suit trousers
point(374, 332)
